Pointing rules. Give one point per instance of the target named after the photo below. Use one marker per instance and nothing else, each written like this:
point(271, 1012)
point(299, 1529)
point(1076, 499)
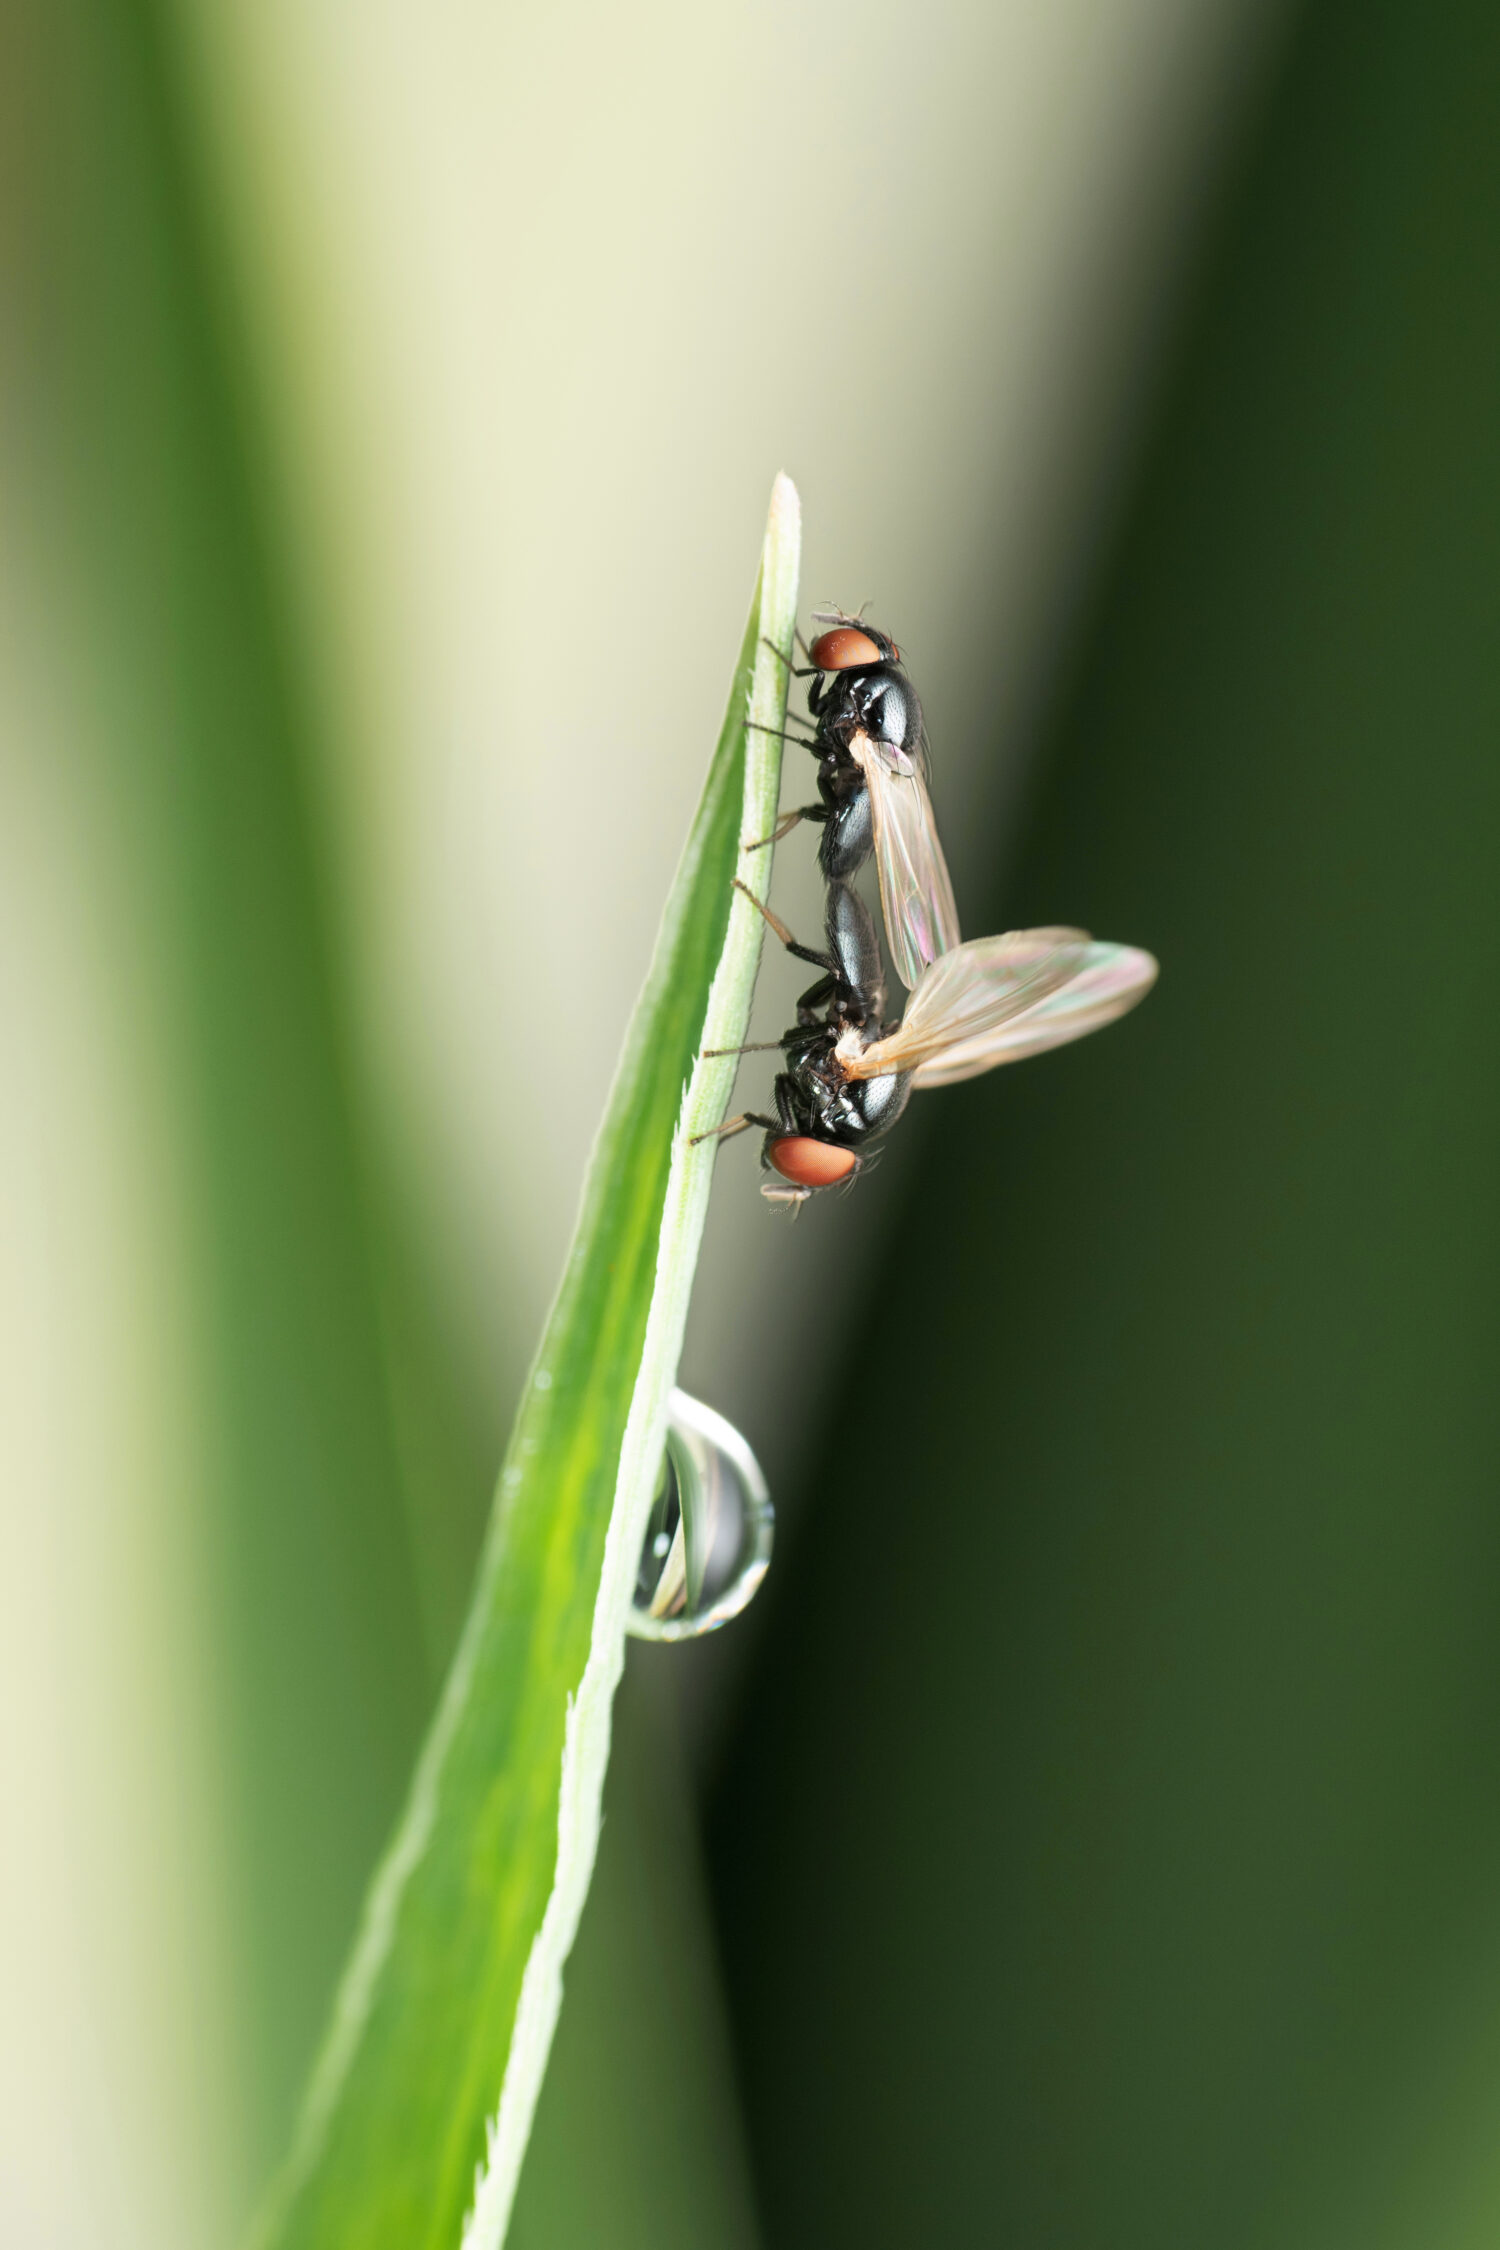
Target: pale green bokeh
point(120, 2096)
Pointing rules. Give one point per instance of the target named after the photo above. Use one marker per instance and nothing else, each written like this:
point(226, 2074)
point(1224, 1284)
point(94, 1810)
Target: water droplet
point(543, 1380)
point(708, 1541)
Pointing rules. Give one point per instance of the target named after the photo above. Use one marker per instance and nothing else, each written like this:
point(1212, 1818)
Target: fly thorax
point(892, 714)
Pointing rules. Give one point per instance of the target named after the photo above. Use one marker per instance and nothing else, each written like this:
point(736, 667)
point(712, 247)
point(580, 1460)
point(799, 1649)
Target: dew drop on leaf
point(708, 1540)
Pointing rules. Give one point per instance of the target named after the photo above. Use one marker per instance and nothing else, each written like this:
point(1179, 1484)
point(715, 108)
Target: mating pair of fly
point(848, 1074)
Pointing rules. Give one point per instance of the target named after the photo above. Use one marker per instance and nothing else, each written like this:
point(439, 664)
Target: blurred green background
point(1092, 1835)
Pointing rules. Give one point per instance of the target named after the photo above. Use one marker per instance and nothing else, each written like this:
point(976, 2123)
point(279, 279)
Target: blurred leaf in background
point(267, 1588)
point(1109, 1850)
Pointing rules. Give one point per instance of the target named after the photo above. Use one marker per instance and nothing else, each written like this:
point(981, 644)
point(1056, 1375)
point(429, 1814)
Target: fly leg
point(733, 1125)
point(787, 823)
point(803, 952)
point(785, 1095)
point(814, 1000)
point(809, 1018)
point(796, 672)
point(807, 741)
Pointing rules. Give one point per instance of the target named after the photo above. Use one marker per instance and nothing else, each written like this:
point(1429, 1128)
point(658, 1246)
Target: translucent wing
point(921, 920)
point(1112, 979)
point(968, 994)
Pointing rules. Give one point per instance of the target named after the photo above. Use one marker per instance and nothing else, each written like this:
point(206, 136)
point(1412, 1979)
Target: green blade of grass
point(419, 2110)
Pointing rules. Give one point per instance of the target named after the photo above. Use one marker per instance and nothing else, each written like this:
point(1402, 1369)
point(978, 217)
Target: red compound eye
point(811, 1164)
point(844, 648)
